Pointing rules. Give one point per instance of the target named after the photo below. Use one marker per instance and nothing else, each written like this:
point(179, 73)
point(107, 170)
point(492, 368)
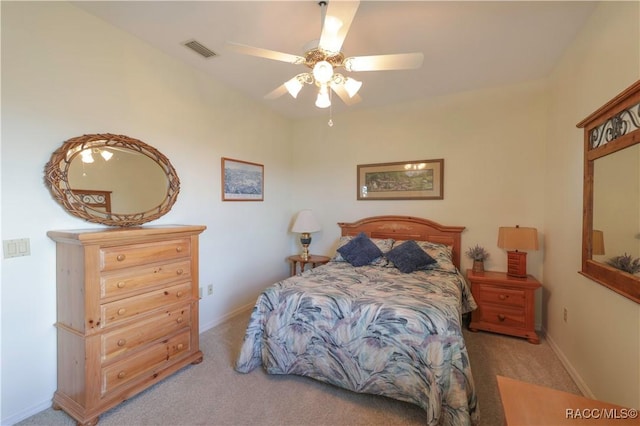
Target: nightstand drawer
point(502, 296)
point(502, 315)
point(506, 304)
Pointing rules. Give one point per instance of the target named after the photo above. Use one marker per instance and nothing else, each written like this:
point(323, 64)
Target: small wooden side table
point(314, 260)
point(505, 304)
point(527, 404)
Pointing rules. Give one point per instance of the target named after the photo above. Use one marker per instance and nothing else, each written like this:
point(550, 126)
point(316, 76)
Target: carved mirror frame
point(92, 207)
point(613, 127)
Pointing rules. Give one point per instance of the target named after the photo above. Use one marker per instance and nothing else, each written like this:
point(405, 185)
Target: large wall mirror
point(611, 214)
point(112, 179)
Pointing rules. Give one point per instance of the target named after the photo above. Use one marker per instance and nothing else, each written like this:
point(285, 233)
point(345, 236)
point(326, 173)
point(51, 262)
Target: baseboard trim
point(217, 321)
point(569, 367)
point(25, 414)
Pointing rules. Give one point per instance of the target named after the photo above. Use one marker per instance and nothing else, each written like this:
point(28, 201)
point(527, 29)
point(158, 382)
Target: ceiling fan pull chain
point(330, 123)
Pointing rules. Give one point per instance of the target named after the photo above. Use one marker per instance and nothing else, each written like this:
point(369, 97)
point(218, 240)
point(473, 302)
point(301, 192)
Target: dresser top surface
point(97, 235)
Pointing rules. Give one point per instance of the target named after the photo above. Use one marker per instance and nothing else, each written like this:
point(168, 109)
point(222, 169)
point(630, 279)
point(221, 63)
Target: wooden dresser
point(127, 313)
point(505, 304)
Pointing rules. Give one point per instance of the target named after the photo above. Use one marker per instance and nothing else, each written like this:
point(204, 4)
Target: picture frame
point(242, 180)
point(402, 180)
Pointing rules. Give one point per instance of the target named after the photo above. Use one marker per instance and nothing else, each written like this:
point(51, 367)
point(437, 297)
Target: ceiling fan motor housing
point(312, 57)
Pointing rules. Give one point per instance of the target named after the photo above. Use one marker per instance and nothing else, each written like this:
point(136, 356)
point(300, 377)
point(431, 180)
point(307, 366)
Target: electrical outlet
point(210, 289)
point(565, 314)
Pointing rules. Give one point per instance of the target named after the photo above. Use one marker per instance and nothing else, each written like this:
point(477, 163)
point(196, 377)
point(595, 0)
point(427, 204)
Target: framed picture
point(242, 181)
point(403, 180)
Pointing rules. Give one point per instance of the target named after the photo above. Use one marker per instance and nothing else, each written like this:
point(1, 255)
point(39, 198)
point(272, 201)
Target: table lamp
point(515, 239)
point(305, 224)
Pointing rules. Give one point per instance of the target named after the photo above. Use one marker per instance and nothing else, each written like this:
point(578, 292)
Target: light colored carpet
point(212, 393)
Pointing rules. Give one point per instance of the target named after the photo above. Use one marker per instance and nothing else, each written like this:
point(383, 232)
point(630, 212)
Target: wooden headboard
point(407, 228)
point(94, 198)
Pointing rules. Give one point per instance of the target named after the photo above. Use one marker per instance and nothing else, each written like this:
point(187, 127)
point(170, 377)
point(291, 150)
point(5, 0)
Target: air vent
point(200, 49)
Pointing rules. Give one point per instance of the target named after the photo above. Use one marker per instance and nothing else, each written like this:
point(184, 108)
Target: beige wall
point(491, 143)
point(65, 73)
point(601, 338)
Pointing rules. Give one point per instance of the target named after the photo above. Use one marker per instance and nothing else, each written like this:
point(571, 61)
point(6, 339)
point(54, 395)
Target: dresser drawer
point(147, 362)
point(119, 283)
point(122, 309)
point(503, 315)
point(140, 254)
point(502, 296)
point(124, 340)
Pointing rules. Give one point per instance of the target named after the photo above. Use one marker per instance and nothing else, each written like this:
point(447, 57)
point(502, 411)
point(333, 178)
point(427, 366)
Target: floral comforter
point(373, 330)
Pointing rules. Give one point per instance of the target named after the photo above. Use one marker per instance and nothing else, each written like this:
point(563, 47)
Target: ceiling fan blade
point(399, 61)
point(276, 93)
point(336, 24)
point(265, 53)
point(342, 93)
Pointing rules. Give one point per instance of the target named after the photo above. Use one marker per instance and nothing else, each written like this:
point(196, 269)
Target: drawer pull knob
point(121, 375)
point(179, 271)
point(122, 342)
point(121, 311)
point(180, 346)
point(121, 257)
point(121, 284)
point(179, 249)
point(501, 317)
point(179, 320)
point(179, 294)
point(502, 297)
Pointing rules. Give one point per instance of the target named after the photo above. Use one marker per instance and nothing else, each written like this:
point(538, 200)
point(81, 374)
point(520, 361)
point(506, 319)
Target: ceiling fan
point(324, 59)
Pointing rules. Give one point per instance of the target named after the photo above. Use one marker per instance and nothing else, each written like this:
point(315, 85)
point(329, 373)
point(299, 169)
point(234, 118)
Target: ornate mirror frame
point(612, 128)
point(92, 207)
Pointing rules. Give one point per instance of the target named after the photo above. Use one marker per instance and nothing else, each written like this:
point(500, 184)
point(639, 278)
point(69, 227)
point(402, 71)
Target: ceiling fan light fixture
point(322, 72)
point(352, 86)
point(323, 101)
point(293, 86)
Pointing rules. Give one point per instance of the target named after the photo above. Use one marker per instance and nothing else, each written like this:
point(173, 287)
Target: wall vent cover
point(200, 49)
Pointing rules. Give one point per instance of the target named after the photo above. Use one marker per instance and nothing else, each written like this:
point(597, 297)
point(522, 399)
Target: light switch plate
point(16, 248)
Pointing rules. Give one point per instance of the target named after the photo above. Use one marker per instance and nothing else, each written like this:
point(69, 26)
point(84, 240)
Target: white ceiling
point(466, 45)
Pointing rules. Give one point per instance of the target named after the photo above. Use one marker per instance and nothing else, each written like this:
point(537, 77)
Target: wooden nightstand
point(505, 304)
point(314, 260)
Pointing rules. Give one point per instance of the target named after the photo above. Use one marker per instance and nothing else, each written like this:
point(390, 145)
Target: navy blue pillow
point(360, 250)
point(409, 257)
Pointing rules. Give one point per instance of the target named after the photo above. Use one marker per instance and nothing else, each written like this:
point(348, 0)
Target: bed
point(374, 328)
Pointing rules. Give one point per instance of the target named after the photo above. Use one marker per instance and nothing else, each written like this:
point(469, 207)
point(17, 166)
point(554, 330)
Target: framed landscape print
point(403, 180)
point(242, 180)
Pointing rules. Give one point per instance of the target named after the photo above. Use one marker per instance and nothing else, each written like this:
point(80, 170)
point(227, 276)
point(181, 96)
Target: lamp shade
point(293, 86)
point(352, 86)
point(518, 238)
point(305, 222)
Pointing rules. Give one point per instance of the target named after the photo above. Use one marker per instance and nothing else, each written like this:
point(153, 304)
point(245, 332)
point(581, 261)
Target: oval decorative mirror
point(111, 179)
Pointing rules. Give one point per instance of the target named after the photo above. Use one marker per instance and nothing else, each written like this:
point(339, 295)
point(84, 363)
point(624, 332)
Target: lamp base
point(517, 264)
point(305, 240)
